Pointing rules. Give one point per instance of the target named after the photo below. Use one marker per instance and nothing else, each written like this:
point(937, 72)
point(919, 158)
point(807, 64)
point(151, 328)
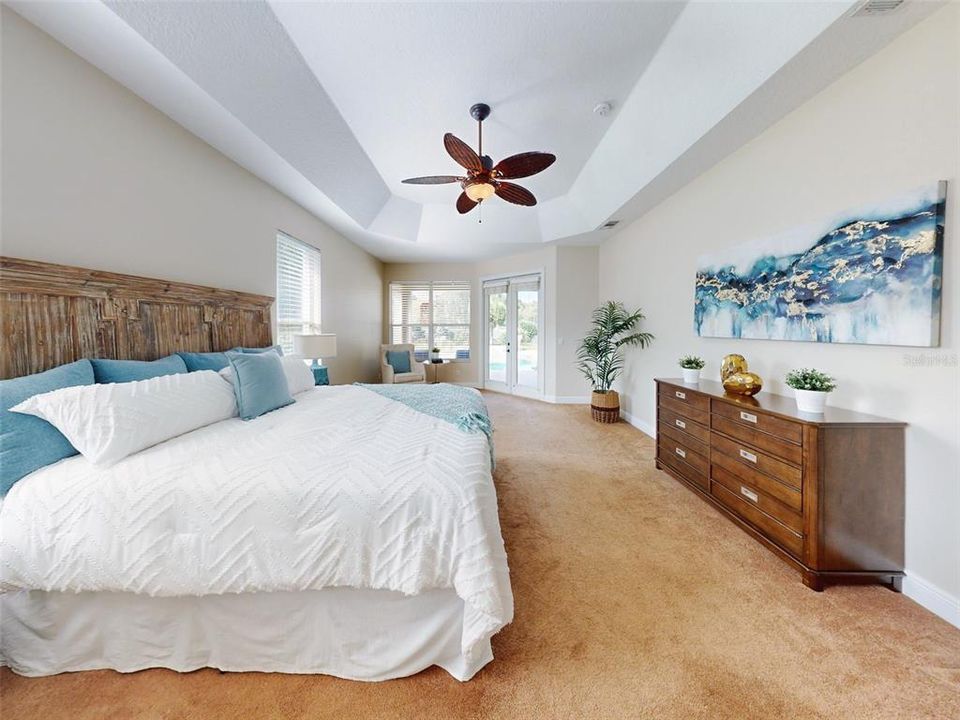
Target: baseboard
point(934, 599)
point(476, 385)
point(567, 399)
point(641, 425)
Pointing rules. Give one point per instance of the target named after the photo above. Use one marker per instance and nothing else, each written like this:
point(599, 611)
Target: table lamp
point(313, 347)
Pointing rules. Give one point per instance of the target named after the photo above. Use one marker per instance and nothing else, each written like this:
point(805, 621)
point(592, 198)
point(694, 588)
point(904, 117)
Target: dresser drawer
point(673, 434)
point(666, 453)
point(786, 430)
point(684, 452)
point(768, 526)
point(685, 410)
point(789, 496)
point(755, 458)
point(756, 496)
point(700, 432)
point(767, 443)
point(686, 396)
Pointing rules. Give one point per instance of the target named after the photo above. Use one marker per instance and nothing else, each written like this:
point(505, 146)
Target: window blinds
point(298, 290)
point(432, 314)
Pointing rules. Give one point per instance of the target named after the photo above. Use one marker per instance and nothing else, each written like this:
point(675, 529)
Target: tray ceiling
point(335, 103)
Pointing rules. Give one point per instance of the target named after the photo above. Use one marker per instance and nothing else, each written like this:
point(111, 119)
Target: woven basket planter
point(605, 407)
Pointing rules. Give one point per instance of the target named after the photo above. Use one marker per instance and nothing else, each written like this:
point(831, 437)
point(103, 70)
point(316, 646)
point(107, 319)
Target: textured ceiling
point(335, 103)
point(240, 54)
point(403, 74)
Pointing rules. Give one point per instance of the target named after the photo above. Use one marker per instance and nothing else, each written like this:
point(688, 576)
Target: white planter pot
point(434, 355)
point(691, 376)
point(811, 401)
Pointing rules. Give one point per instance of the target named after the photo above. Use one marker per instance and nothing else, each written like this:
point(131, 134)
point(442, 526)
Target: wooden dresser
point(824, 492)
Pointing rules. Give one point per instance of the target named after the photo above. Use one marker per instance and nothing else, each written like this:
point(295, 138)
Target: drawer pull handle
point(681, 395)
point(680, 424)
point(749, 494)
point(681, 453)
point(748, 455)
point(749, 417)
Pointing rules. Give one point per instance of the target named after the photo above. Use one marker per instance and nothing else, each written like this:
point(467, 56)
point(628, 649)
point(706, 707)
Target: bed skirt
point(349, 633)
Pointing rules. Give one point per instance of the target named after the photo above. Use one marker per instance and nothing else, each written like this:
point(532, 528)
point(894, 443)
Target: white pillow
point(106, 423)
point(299, 375)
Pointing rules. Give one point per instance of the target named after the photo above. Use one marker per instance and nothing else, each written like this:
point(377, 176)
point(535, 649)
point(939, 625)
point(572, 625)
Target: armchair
point(389, 376)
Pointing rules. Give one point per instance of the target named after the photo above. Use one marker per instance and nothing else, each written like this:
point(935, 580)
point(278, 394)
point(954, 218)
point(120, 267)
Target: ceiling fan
point(483, 178)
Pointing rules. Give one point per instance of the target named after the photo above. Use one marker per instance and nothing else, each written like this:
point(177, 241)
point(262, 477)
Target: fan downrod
point(480, 112)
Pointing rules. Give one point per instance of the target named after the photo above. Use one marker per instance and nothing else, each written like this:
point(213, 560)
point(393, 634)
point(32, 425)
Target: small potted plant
point(435, 355)
point(692, 365)
point(811, 388)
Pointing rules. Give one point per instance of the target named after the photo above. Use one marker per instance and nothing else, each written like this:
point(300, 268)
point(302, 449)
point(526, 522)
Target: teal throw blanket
point(462, 407)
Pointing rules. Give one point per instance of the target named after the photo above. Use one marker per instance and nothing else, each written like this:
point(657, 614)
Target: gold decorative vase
point(736, 379)
point(743, 383)
point(732, 364)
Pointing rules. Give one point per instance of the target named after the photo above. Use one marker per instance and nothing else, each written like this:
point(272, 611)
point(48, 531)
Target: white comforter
point(344, 488)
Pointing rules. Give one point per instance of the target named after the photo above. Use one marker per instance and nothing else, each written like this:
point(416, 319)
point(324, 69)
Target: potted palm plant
point(811, 388)
point(600, 355)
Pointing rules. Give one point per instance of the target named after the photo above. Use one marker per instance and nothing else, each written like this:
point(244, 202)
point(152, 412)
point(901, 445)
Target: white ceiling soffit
point(334, 103)
point(240, 54)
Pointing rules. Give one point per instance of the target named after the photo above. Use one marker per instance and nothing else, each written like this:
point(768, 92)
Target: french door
point(513, 336)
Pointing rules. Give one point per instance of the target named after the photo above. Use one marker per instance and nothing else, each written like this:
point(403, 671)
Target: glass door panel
point(528, 338)
point(497, 337)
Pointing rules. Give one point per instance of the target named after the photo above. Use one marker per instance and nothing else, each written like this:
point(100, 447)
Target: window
point(298, 290)
point(432, 314)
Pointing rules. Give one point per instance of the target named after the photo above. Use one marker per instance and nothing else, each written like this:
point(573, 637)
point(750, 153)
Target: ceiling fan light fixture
point(484, 179)
point(479, 191)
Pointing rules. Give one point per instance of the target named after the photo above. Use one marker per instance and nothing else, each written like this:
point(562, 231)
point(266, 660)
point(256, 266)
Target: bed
point(346, 534)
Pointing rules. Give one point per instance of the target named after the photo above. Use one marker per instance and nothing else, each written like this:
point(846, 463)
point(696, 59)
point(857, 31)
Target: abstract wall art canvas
point(870, 276)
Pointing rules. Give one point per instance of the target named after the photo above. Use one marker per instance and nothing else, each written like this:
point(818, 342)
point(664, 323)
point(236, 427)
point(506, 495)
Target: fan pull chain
point(480, 212)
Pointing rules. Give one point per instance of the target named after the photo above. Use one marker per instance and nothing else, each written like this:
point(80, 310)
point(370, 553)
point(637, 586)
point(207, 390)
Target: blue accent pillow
point(399, 360)
point(121, 371)
point(215, 361)
point(259, 383)
point(256, 351)
point(28, 443)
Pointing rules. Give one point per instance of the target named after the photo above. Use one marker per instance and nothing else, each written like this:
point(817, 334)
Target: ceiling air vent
point(876, 7)
point(609, 224)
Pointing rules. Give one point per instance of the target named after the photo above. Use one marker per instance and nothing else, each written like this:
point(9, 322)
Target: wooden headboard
point(55, 314)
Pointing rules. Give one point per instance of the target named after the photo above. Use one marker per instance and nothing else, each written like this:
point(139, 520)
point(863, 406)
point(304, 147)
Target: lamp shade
point(479, 191)
point(315, 346)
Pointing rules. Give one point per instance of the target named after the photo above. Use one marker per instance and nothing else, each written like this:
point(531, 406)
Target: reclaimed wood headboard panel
point(54, 314)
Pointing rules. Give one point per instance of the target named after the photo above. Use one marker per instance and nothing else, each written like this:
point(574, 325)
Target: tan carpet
point(633, 599)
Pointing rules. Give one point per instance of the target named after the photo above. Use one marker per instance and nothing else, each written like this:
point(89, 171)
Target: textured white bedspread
point(344, 488)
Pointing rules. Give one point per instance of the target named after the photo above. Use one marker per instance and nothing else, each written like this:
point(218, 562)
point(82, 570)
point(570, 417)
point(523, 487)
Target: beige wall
point(569, 291)
point(889, 125)
point(577, 297)
point(94, 176)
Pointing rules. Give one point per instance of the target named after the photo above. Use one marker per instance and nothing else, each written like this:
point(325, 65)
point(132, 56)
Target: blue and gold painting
point(872, 276)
